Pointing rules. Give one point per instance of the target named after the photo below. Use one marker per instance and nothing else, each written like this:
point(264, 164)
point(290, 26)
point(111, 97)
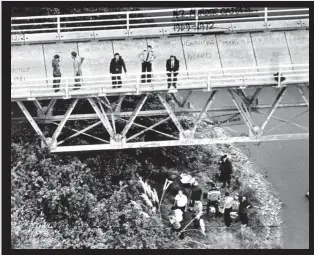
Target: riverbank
point(265, 230)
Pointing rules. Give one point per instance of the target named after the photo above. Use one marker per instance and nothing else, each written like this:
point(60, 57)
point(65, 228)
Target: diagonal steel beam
point(245, 103)
point(117, 106)
point(246, 120)
point(108, 122)
point(102, 117)
point(51, 105)
point(105, 102)
point(63, 121)
point(302, 92)
point(38, 106)
point(31, 121)
point(77, 133)
point(286, 121)
point(205, 108)
point(273, 107)
point(148, 128)
point(171, 114)
point(187, 97)
point(255, 95)
point(134, 115)
point(242, 95)
point(184, 101)
point(154, 130)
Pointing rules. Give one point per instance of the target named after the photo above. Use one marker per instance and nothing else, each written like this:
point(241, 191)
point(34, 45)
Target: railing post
point(265, 12)
point(66, 89)
point(128, 22)
point(58, 25)
point(196, 18)
point(279, 79)
point(208, 82)
point(138, 85)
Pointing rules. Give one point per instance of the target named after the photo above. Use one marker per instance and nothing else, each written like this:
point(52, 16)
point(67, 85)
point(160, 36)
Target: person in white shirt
point(228, 203)
point(175, 218)
point(147, 57)
point(77, 65)
point(180, 201)
point(213, 197)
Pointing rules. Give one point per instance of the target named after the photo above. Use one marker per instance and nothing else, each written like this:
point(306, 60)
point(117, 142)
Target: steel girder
point(108, 114)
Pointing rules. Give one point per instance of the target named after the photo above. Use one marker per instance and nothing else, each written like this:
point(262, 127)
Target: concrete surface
point(193, 52)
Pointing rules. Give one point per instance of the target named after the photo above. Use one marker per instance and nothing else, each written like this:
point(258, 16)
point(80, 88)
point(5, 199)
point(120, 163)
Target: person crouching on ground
point(176, 218)
point(172, 66)
point(243, 211)
point(198, 215)
point(213, 197)
point(115, 69)
point(226, 170)
point(181, 201)
point(56, 72)
point(228, 203)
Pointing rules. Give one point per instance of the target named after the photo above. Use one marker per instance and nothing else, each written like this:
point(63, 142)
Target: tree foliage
point(60, 201)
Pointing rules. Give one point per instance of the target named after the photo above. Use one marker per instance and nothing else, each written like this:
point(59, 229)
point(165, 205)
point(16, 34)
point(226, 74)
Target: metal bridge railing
point(239, 77)
point(149, 18)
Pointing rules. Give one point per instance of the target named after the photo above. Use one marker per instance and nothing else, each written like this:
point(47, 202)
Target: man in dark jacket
point(56, 72)
point(243, 210)
point(116, 68)
point(172, 66)
point(196, 194)
point(225, 170)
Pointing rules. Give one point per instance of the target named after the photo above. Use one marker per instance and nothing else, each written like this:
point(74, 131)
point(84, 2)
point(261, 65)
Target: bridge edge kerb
point(96, 35)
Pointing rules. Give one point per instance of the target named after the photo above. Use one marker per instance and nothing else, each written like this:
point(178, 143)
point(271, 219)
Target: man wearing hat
point(56, 72)
point(147, 56)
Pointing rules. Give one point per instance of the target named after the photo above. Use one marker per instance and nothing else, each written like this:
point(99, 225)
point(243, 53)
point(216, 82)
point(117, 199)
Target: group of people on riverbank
point(229, 208)
point(116, 65)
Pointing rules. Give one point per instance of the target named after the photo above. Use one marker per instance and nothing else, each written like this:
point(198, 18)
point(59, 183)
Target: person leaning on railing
point(77, 65)
point(116, 65)
point(172, 66)
point(147, 56)
point(56, 72)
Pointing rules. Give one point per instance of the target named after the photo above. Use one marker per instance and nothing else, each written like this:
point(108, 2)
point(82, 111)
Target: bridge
point(231, 56)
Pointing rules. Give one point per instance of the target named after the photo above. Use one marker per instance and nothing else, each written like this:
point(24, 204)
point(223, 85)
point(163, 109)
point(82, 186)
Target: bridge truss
point(118, 128)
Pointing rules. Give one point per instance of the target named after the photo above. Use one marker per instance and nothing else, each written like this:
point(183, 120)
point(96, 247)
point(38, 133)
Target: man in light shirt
point(228, 203)
point(147, 57)
point(181, 201)
point(77, 65)
point(213, 197)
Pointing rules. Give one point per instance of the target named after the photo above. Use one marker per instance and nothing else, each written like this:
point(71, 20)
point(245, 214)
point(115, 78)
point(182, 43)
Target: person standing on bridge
point(172, 66)
point(56, 72)
point(115, 68)
point(77, 65)
point(147, 56)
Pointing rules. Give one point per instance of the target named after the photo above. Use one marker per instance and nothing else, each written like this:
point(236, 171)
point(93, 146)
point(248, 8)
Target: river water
point(285, 163)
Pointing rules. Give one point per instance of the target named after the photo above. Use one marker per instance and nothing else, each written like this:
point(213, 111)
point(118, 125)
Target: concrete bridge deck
point(219, 55)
